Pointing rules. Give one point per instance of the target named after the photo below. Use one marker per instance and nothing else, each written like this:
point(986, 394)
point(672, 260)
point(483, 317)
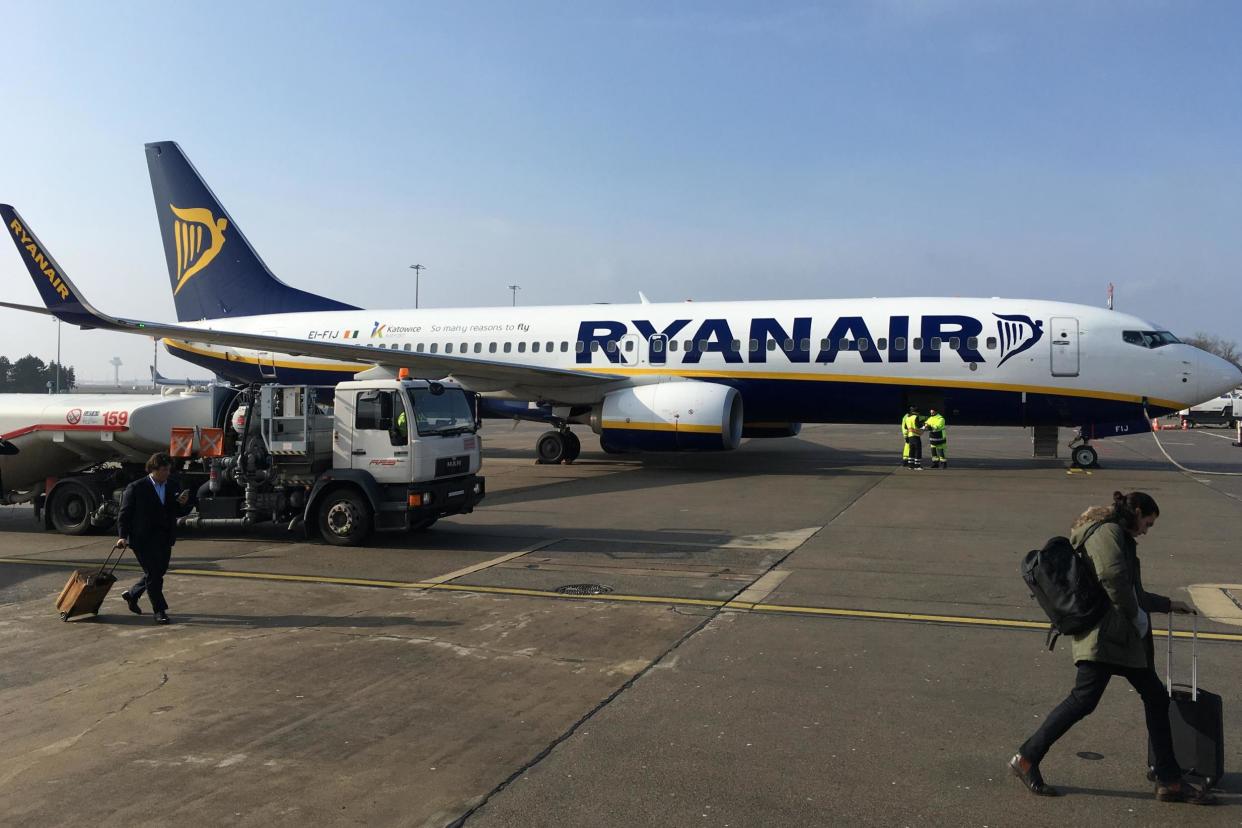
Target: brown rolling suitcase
point(85, 592)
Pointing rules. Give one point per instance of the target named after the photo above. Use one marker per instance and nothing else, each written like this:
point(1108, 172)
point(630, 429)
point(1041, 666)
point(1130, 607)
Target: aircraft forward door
point(1064, 330)
point(633, 350)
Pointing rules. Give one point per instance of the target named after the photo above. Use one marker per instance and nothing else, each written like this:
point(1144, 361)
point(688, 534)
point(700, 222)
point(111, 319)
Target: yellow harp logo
point(195, 248)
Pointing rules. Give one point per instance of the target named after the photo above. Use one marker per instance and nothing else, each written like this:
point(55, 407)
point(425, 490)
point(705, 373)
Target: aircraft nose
point(1217, 376)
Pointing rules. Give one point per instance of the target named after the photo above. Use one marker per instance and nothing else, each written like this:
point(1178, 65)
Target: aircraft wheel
point(1084, 457)
point(70, 509)
point(551, 448)
point(573, 447)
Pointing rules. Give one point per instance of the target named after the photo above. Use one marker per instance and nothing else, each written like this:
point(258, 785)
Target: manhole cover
point(584, 589)
point(1090, 754)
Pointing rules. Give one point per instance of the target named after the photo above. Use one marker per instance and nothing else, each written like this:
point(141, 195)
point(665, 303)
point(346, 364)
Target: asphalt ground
point(797, 633)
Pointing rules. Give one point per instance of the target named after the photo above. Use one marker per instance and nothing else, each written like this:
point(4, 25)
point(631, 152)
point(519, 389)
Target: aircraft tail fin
point(58, 293)
point(214, 271)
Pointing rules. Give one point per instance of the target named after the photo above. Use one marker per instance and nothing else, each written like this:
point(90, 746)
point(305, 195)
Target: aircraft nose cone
point(1217, 376)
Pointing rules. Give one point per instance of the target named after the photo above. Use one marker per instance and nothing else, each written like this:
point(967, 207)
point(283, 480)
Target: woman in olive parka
point(1120, 645)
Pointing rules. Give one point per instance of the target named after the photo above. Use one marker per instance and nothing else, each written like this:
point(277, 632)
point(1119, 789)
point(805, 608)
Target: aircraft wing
point(66, 302)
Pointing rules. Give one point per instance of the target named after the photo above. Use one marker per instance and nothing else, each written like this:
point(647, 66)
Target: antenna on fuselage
point(1110, 295)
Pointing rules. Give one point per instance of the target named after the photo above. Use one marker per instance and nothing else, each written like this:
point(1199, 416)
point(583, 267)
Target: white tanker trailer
point(68, 452)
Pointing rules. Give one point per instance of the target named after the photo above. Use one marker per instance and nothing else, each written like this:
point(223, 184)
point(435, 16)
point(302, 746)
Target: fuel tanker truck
point(381, 452)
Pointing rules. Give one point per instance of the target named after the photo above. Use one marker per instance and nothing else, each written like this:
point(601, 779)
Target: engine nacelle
point(761, 430)
point(670, 416)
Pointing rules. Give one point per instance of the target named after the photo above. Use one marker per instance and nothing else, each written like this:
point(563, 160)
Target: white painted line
point(757, 592)
point(787, 541)
point(444, 579)
point(1213, 601)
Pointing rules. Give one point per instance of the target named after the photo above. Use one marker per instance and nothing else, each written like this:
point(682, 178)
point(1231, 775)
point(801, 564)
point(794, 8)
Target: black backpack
point(1063, 581)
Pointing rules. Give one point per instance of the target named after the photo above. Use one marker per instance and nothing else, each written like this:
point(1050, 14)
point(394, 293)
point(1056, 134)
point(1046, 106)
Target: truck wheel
point(70, 508)
point(344, 518)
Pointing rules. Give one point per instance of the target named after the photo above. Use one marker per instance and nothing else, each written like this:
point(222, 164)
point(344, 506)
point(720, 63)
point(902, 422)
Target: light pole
point(58, 355)
point(515, 289)
point(418, 271)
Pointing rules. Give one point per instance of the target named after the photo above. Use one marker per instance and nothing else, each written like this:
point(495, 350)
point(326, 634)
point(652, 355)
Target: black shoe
point(161, 617)
point(1183, 791)
point(132, 603)
point(1032, 778)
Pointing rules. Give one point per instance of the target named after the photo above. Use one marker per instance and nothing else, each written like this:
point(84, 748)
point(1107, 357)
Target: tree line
point(30, 375)
point(1223, 348)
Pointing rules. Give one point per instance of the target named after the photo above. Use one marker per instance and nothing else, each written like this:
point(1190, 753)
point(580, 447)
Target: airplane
point(660, 376)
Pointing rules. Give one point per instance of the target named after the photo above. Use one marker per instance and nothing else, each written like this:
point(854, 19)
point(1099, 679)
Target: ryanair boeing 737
point(659, 377)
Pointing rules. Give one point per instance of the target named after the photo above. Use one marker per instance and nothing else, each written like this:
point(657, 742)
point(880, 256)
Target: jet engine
point(670, 416)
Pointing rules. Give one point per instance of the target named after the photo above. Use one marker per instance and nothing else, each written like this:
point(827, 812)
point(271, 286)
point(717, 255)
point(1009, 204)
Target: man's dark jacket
point(148, 525)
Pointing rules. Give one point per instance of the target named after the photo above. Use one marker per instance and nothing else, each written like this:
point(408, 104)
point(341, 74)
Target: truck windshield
point(444, 413)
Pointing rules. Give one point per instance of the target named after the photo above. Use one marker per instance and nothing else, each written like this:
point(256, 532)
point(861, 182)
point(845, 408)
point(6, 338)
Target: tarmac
point(799, 632)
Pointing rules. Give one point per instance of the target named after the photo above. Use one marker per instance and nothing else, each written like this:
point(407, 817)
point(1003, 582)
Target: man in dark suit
point(148, 526)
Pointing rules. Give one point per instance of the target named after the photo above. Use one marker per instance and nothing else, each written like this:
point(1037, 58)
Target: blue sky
point(587, 151)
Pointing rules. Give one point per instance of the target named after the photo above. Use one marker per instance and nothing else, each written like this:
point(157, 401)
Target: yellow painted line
point(836, 612)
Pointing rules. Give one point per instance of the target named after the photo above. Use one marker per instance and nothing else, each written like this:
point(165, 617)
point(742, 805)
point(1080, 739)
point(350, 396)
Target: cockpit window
point(1150, 339)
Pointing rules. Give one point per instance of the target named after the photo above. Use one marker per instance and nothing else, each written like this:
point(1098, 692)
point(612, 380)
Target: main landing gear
point(559, 445)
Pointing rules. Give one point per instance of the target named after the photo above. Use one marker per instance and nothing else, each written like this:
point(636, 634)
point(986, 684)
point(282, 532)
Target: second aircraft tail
point(215, 273)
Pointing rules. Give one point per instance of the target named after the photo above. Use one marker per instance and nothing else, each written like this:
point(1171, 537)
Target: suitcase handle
point(1194, 659)
point(104, 565)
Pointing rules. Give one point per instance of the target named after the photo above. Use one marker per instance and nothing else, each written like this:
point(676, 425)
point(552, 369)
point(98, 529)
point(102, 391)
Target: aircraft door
point(1064, 330)
point(267, 361)
point(380, 447)
point(657, 349)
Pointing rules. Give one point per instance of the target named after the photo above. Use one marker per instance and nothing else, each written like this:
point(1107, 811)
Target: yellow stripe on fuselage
point(697, 429)
point(709, 374)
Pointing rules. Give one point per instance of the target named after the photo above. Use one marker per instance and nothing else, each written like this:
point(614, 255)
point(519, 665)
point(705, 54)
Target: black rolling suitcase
point(1196, 716)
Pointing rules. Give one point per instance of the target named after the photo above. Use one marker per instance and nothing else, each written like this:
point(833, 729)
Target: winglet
point(61, 297)
point(642, 297)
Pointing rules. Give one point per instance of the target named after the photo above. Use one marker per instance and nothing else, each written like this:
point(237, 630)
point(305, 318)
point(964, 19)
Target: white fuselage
point(805, 361)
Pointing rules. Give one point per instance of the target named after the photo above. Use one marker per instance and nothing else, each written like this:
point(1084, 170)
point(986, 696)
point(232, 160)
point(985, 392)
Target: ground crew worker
point(913, 452)
point(935, 428)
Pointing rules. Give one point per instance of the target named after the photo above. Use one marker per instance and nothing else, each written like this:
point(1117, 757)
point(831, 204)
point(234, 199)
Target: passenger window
point(936, 343)
point(478, 347)
point(955, 343)
point(917, 344)
point(579, 346)
point(991, 343)
point(419, 347)
point(688, 345)
point(864, 344)
point(973, 343)
point(672, 344)
point(434, 346)
point(549, 347)
point(735, 346)
point(754, 345)
point(806, 344)
point(881, 344)
point(508, 347)
point(491, 347)
point(521, 347)
point(406, 346)
point(629, 345)
point(612, 346)
point(564, 346)
point(789, 346)
point(825, 344)
point(843, 345)
point(899, 343)
point(771, 344)
point(534, 347)
point(448, 347)
point(465, 348)
point(703, 345)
